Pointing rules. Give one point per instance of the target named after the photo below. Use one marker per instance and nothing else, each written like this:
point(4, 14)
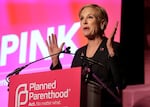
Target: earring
point(102, 27)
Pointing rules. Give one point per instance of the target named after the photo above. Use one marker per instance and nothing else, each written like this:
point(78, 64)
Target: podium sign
point(57, 88)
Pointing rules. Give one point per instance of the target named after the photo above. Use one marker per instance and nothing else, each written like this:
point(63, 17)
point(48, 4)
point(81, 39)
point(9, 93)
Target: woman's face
point(89, 23)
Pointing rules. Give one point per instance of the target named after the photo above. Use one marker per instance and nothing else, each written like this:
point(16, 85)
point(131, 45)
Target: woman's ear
point(103, 24)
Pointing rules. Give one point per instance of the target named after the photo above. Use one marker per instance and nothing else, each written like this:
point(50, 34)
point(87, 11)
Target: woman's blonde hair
point(101, 13)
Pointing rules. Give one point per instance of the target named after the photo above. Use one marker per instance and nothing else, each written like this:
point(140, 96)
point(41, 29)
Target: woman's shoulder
point(81, 49)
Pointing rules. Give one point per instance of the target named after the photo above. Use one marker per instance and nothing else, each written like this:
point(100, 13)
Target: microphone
point(17, 70)
point(86, 66)
point(88, 72)
point(91, 61)
point(67, 50)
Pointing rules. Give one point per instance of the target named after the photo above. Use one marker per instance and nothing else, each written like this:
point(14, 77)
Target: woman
point(104, 51)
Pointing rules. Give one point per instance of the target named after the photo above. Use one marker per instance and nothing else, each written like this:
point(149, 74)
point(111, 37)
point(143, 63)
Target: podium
point(57, 88)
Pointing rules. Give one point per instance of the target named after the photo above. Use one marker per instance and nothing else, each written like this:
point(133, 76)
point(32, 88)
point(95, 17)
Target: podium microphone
point(91, 61)
point(17, 70)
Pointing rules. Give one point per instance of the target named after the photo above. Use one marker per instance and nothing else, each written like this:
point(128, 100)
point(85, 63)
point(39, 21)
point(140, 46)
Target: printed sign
point(59, 88)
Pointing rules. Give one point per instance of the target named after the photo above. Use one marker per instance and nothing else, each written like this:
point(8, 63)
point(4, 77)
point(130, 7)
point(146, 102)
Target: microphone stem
point(17, 70)
point(43, 58)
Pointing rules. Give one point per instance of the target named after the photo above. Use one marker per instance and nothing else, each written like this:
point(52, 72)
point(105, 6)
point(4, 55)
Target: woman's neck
point(95, 42)
point(93, 46)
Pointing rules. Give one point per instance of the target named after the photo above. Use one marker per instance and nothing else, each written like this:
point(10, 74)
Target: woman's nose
point(85, 21)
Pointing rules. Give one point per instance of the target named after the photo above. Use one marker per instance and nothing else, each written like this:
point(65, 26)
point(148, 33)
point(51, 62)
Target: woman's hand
point(110, 41)
point(53, 48)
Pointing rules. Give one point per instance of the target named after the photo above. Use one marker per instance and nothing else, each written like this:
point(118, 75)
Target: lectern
point(57, 88)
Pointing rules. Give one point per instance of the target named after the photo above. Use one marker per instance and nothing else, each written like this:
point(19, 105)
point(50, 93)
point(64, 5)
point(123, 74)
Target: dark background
point(146, 23)
point(132, 42)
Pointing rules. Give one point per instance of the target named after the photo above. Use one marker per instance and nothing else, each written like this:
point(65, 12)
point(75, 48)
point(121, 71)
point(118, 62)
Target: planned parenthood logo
point(19, 93)
point(40, 94)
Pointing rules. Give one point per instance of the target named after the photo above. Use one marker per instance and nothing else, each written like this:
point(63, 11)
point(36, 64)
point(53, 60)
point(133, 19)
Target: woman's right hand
point(53, 48)
point(110, 41)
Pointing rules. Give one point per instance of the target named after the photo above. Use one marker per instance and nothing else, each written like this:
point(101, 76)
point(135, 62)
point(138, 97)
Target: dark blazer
point(107, 68)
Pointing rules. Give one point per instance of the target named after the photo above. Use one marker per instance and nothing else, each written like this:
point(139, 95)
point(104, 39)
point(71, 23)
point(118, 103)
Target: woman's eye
point(90, 17)
point(81, 18)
